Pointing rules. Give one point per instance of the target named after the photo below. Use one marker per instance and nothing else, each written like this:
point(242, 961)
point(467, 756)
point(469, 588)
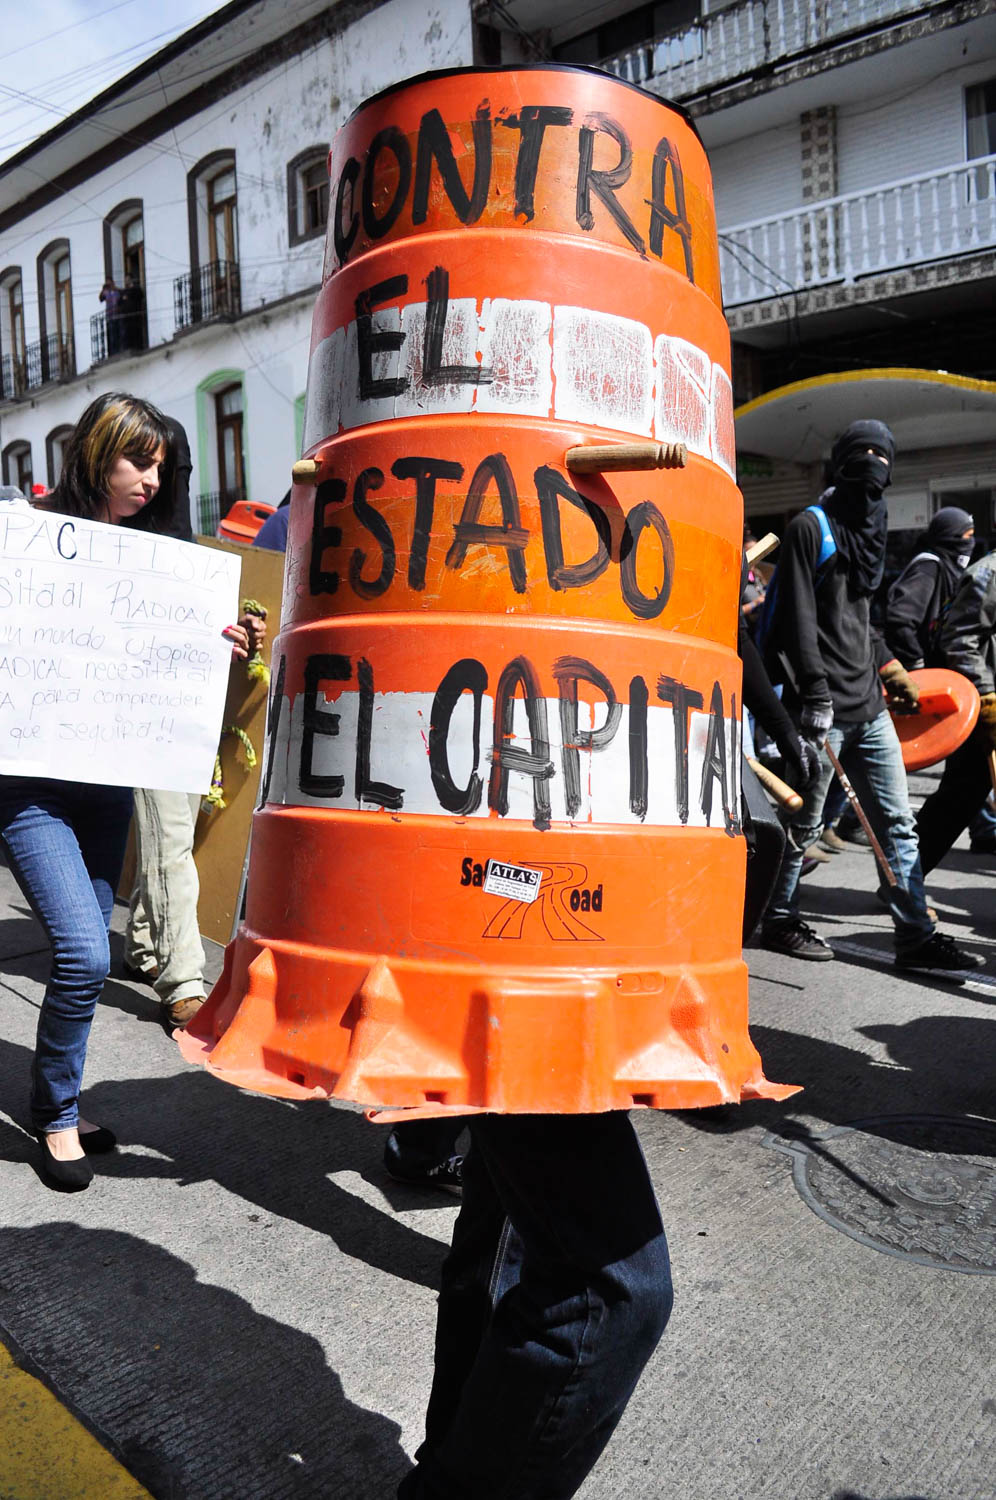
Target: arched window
point(212, 289)
point(17, 465)
point(13, 350)
point(55, 312)
point(55, 453)
point(307, 195)
point(121, 327)
point(222, 469)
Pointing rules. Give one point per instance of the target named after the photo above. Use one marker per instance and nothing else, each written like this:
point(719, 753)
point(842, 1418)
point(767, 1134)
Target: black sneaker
point(446, 1175)
point(940, 954)
point(797, 939)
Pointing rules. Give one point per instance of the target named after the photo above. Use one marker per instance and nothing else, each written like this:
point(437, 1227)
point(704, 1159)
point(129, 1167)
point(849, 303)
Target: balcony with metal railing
point(13, 378)
point(212, 291)
point(49, 360)
point(914, 221)
point(118, 333)
point(736, 41)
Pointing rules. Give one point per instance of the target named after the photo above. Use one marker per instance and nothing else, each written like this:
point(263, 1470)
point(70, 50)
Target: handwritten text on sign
point(113, 668)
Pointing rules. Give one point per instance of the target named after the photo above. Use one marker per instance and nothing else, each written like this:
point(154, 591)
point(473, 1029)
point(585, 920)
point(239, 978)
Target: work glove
point(901, 692)
point(987, 718)
point(816, 720)
point(801, 757)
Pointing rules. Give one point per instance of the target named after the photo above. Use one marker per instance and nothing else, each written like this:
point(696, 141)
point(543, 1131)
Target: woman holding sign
point(66, 840)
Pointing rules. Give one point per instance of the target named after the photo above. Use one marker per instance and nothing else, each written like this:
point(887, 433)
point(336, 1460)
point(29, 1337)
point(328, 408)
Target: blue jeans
point(66, 844)
point(871, 755)
point(554, 1295)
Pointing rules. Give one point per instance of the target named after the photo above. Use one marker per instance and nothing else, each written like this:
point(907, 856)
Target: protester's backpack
point(768, 642)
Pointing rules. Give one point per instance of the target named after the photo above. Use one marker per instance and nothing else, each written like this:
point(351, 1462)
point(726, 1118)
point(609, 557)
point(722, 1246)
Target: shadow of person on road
point(197, 1392)
point(272, 1152)
point(940, 1065)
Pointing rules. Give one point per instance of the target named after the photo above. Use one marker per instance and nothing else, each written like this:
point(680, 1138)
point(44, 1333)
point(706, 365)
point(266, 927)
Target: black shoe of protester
point(983, 846)
point(446, 1175)
point(939, 954)
point(798, 940)
point(101, 1139)
point(65, 1176)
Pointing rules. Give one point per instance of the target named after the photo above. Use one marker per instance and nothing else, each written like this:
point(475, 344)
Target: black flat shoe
point(95, 1141)
point(66, 1176)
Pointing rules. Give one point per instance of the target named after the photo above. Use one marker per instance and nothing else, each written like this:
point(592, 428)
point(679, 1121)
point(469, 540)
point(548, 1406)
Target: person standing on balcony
point(820, 644)
point(110, 295)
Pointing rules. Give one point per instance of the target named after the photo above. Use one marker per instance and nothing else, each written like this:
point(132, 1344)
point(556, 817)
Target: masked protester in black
point(922, 592)
point(834, 668)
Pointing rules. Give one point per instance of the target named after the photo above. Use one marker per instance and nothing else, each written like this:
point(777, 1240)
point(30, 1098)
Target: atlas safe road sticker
point(516, 881)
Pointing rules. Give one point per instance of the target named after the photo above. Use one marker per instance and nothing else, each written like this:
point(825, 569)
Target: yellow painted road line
point(45, 1453)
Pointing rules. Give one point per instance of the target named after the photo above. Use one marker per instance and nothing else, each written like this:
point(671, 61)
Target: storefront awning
point(924, 408)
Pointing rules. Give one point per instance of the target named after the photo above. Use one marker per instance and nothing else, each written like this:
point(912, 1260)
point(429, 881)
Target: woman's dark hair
point(112, 427)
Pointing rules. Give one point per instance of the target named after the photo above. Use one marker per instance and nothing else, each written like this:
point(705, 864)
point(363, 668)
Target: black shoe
point(940, 954)
point(983, 846)
point(797, 939)
point(66, 1176)
point(854, 836)
point(446, 1175)
point(95, 1141)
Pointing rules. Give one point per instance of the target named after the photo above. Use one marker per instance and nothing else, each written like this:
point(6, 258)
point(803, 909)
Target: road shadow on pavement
point(271, 1152)
point(938, 1065)
point(199, 1394)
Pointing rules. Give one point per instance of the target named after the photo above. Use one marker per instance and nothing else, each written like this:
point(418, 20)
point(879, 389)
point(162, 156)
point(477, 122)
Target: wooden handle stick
point(992, 770)
point(760, 549)
point(779, 789)
point(852, 797)
point(617, 457)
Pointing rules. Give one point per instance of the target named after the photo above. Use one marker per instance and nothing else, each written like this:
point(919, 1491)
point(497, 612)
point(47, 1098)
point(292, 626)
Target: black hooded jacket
point(822, 630)
point(922, 592)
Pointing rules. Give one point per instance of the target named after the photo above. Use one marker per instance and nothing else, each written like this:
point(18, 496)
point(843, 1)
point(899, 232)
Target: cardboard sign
point(113, 667)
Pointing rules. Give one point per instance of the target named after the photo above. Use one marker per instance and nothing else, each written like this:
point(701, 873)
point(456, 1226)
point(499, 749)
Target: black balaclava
point(855, 504)
point(945, 538)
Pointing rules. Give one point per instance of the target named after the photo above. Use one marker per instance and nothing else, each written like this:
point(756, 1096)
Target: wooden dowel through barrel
point(606, 458)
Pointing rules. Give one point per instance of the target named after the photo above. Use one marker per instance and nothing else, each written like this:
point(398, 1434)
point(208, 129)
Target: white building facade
point(199, 185)
point(853, 147)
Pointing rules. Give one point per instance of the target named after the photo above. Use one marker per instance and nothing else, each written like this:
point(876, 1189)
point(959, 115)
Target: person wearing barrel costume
point(967, 642)
point(835, 670)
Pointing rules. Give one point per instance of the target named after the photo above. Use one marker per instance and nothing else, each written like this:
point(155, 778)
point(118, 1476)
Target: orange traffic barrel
point(244, 520)
point(947, 714)
point(498, 861)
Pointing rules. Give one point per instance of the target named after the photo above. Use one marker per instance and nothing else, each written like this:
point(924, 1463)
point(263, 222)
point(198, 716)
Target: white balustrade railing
point(740, 38)
point(915, 220)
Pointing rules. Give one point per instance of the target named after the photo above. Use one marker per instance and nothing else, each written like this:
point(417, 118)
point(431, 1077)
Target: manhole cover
point(922, 1187)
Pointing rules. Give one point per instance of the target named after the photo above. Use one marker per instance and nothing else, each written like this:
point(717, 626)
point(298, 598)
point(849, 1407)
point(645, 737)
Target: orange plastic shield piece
point(948, 711)
point(498, 862)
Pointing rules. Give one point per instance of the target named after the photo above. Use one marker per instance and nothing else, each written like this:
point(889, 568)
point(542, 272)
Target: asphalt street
point(242, 1304)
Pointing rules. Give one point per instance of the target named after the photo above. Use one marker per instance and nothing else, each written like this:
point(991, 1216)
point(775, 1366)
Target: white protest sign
point(113, 667)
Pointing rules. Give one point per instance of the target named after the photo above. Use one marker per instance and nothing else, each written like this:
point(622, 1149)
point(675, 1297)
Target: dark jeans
point(555, 1293)
point(66, 844)
point(423, 1143)
point(961, 792)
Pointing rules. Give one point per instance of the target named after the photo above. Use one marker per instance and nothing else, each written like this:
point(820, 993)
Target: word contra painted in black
point(664, 195)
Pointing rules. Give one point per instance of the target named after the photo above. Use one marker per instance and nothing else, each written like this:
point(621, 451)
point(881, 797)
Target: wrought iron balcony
point(50, 359)
point(939, 216)
point(13, 378)
point(739, 39)
point(211, 507)
point(120, 333)
point(212, 291)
